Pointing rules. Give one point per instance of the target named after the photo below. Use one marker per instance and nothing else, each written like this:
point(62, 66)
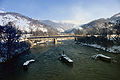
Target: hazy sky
point(77, 11)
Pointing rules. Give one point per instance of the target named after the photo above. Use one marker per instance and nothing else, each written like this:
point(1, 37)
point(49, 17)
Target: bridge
point(43, 39)
point(56, 36)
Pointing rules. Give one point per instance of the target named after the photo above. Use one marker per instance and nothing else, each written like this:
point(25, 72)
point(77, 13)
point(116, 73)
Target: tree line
point(104, 35)
point(109, 28)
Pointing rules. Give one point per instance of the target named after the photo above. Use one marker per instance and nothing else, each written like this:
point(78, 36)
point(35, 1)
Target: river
point(48, 67)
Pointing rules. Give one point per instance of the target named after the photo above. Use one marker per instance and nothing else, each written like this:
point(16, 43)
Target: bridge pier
point(75, 38)
point(30, 42)
point(55, 41)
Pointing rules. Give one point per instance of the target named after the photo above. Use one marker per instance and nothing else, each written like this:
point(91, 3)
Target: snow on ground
point(42, 29)
point(22, 24)
point(1, 23)
point(60, 29)
point(118, 15)
point(113, 49)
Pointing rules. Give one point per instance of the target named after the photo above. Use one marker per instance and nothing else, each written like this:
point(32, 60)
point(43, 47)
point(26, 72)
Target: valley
point(24, 39)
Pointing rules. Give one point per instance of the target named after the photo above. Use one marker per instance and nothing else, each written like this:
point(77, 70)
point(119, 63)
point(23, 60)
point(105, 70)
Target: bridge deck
point(35, 37)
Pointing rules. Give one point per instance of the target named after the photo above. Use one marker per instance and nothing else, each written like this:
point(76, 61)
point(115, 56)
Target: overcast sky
point(77, 11)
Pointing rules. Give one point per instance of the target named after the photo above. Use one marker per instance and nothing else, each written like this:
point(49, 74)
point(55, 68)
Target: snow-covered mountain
point(100, 23)
point(24, 23)
point(59, 26)
point(74, 29)
point(96, 24)
point(115, 18)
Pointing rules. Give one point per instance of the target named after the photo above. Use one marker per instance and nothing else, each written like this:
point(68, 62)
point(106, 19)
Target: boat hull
point(65, 60)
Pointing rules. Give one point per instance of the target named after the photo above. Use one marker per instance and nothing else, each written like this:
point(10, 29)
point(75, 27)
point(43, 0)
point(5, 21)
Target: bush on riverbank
point(97, 40)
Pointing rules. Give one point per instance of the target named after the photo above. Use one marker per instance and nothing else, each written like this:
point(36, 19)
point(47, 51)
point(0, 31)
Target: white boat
point(101, 57)
point(66, 58)
point(25, 64)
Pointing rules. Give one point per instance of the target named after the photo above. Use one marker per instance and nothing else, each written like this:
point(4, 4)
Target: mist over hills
point(59, 26)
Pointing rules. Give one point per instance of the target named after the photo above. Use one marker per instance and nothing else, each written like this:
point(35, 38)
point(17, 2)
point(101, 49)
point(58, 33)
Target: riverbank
point(17, 49)
point(112, 49)
point(110, 45)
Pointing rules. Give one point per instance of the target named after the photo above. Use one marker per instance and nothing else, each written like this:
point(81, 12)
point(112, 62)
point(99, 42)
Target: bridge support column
point(75, 38)
point(30, 42)
point(55, 41)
